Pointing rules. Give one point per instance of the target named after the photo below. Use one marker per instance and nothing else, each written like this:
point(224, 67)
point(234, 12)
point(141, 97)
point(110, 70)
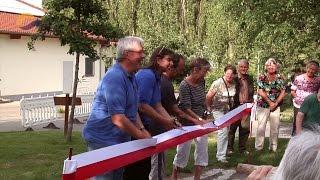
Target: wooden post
point(66, 114)
point(66, 101)
point(70, 153)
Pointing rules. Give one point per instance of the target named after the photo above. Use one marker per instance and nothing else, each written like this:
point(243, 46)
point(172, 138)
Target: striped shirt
point(192, 97)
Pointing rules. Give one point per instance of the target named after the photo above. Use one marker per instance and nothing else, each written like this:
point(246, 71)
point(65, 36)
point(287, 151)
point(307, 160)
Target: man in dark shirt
point(244, 94)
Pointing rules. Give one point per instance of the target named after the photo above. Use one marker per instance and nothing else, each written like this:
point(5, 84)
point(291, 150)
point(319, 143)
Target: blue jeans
point(111, 175)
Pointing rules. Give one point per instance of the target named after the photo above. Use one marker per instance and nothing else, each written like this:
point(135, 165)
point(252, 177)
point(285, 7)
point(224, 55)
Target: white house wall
point(29, 72)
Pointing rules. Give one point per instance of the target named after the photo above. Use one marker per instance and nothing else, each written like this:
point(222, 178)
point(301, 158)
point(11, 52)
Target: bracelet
point(142, 128)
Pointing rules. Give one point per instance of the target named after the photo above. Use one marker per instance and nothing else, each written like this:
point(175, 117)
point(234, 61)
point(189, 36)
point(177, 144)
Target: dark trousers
point(138, 170)
point(295, 112)
point(243, 135)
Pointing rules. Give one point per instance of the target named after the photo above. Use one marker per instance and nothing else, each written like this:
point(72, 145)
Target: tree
point(78, 24)
point(225, 30)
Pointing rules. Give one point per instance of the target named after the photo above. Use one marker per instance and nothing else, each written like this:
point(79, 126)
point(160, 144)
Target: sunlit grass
point(40, 155)
point(258, 158)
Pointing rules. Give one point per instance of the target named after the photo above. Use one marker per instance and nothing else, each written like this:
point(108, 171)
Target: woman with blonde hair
point(271, 91)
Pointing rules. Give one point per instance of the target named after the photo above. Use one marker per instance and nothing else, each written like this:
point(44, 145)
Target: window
point(89, 67)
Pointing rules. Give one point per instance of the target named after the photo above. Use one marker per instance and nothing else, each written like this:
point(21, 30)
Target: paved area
point(10, 120)
point(220, 174)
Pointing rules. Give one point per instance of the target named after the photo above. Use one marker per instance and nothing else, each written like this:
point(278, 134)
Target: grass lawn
point(35, 155)
point(40, 155)
point(287, 110)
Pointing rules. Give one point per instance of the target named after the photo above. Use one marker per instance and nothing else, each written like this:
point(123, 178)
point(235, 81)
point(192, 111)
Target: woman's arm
point(209, 98)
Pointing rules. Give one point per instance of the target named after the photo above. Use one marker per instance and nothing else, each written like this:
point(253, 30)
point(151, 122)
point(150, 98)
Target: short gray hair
point(243, 61)
point(301, 159)
point(126, 43)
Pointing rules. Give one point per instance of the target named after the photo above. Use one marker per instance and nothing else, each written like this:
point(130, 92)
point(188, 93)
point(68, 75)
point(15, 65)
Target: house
point(46, 70)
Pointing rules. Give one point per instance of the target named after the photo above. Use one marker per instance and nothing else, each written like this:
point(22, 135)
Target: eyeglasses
point(139, 52)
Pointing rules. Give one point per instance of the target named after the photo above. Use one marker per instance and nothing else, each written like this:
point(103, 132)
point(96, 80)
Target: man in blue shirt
point(114, 118)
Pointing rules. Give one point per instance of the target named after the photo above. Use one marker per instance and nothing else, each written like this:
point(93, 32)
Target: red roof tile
point(22, 24)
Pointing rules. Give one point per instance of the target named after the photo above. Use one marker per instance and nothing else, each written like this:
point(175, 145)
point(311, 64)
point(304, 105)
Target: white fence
point(41, 110)
point(36, 111)
point(85, 108)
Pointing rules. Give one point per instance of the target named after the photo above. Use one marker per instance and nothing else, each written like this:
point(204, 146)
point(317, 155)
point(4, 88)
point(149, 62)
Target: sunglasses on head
point(159, 53)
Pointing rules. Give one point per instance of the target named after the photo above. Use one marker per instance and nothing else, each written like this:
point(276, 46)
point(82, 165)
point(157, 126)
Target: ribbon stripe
point(106, 159)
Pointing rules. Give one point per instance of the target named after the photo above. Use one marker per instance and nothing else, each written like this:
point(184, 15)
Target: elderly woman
point(220, 100)
point(192, 102)
point(271, 91)
point(304, 85)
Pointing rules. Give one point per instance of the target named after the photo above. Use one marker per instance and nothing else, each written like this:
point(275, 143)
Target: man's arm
point(123, 123)
point(140, 125)
point(299, 120)
point(160, 109)
point(157, 114)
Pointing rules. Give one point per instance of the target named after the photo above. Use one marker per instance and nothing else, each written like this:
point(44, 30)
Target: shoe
point(272, 150)
point(245, 152)
point(229, 152)
point(222, 161)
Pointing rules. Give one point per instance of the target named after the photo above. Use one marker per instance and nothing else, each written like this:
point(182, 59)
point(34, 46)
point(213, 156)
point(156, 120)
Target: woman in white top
point(219, 100)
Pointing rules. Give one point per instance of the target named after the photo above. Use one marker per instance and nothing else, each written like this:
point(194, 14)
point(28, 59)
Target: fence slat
point(40, 110)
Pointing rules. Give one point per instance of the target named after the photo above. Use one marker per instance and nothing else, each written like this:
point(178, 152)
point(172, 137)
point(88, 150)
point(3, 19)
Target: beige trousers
point(263, 115)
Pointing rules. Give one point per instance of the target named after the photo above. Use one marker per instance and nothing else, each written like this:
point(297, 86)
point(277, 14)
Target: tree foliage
point(225, 30)
point(78, 24)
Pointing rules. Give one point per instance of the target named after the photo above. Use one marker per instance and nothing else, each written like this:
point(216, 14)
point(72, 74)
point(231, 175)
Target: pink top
point(304, 88)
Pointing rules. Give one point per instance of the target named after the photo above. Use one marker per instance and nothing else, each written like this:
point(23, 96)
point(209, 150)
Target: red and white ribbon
point(97, 162)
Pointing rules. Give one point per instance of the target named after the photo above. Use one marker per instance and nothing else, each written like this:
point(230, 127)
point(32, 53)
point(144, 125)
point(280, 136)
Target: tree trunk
point(74, 95)
point(183, 25)
point(135, 8)
point(230, 50)
point(197, 14)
